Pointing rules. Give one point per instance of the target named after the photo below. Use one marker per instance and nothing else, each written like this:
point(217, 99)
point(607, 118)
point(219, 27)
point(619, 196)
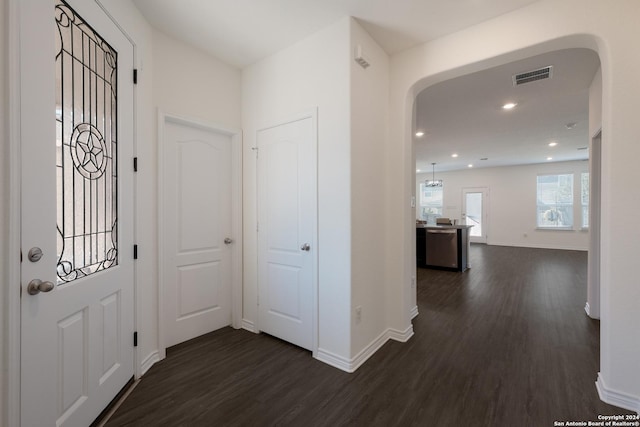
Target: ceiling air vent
point(532, 76)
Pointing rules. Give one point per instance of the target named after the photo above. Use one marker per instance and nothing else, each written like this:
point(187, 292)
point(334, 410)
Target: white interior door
point(197, 230)
point(287, 249)
point(77, 208)
point(474, 212)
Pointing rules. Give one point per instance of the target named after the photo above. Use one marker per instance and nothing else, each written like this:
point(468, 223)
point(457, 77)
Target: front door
point(77, 212)
point(197, 238)
point(474, 212)
point(287, 230)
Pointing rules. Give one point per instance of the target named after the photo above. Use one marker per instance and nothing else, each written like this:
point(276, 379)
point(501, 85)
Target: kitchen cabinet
point(442, 246)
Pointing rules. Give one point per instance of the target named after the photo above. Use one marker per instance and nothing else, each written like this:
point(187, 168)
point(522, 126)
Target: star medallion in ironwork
point(88, 151)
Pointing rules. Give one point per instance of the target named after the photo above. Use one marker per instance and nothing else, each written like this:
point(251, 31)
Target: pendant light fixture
point(433, 182)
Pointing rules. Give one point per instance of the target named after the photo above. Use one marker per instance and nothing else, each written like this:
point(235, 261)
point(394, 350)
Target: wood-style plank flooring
point(506, 343)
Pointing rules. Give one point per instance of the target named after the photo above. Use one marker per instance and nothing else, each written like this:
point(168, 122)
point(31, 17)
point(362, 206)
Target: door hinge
point(135, 164)
point(256, 150)
point(135, 339)
point(135, 76)
point(135, 251)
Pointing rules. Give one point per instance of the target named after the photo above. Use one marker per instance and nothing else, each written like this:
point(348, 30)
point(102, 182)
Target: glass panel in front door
point(86, 137)
point(474, 213)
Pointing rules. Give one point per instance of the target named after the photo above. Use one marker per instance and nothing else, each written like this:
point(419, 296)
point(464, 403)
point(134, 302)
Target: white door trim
point(236, 216)
point(592, 307)
point(313, 115)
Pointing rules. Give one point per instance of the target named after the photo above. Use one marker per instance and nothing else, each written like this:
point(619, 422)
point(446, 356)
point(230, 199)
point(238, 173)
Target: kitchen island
point(443, 246)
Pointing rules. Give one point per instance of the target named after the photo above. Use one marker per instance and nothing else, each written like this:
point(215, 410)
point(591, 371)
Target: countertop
point(441, 227)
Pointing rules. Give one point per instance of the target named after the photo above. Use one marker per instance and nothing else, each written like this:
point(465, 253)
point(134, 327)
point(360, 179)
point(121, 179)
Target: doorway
point(287, 231)
point(200, 235)
point(474, 213)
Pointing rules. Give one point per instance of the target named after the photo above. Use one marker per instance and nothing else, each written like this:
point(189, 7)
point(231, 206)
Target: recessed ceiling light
point(454, 155)
point(509, 105)
point(549, 158)
point(418, 170)
point(553, 144)
point(469, 165)
point(419, 133)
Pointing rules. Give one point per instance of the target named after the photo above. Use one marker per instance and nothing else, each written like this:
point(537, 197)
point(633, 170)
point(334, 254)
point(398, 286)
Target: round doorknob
point(36, 286)
point(305, 247)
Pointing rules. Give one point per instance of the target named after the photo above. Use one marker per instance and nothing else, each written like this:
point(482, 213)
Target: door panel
point(76, 122)
point(286, 237)
point(474, 212)
point(197, 207)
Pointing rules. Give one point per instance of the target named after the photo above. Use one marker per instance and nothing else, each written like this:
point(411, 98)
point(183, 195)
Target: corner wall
point(312, 73)
point(369, 129)
point(511, 203)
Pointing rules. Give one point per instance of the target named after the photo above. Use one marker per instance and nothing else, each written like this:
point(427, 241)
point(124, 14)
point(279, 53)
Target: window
point(555, 201)
point(86, 127)
point(584, 196)
point(430, 203)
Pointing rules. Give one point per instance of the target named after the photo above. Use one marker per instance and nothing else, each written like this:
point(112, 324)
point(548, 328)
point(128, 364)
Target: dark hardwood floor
point(506, 343)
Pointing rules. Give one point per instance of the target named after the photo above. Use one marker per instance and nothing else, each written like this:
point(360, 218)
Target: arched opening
point(410, 127)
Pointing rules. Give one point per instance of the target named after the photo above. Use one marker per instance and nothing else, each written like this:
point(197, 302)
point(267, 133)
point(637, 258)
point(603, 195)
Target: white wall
point(312, 73)
point(189, 82)
point(4, 181)
point(609, 29)
point(511, 203)
point(369, 111)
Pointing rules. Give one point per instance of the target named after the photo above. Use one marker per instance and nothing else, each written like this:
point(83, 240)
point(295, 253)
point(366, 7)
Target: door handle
point(228, 241)
point(36, 286)
point(305, 247)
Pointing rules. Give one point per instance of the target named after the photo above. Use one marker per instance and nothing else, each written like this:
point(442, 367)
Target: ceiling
point(465, 115)
point(462, 115)
point(241, 32)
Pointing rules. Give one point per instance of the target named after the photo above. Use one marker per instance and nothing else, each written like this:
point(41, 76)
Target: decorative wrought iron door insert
point(86, 148)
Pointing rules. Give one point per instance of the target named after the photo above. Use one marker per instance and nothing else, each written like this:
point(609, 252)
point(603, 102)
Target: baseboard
point(249, 326)
point(616, 398)
point(369, 350)
point(351, 365)
point(414, 312)
point(402, 336)
point(149, 361)
point(539, 246)
point(334, 360)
